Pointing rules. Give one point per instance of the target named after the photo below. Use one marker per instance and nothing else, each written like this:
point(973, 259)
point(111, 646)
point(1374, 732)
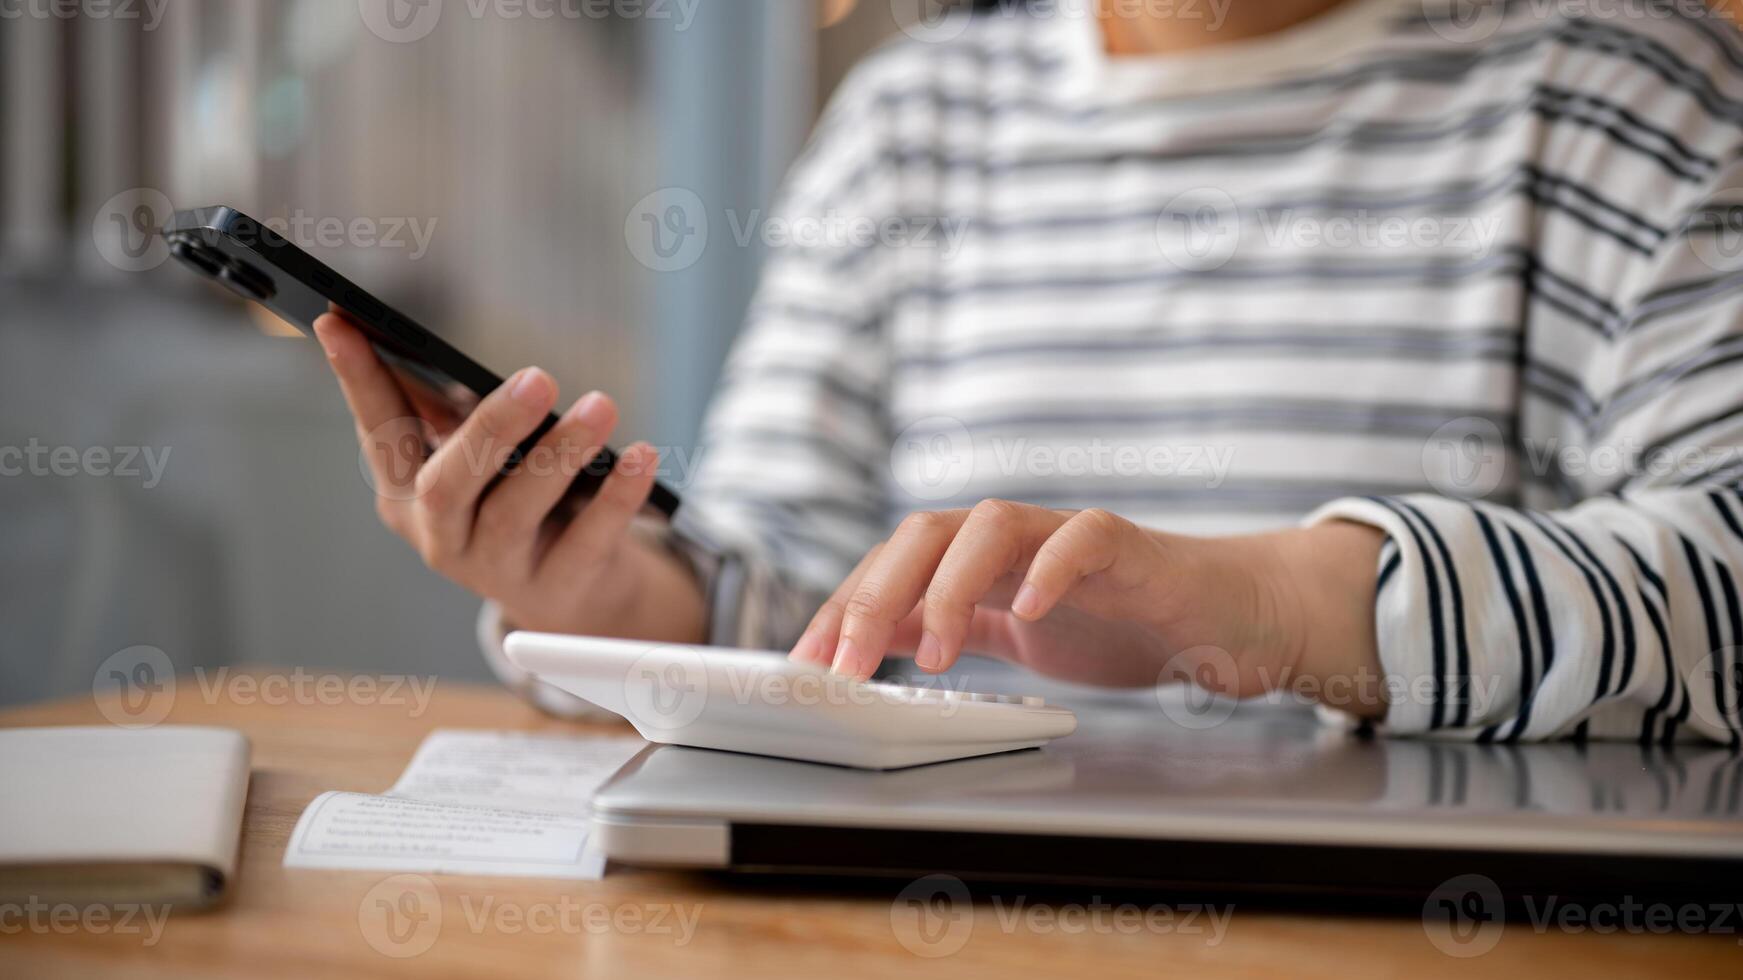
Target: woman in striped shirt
point(1385, 351)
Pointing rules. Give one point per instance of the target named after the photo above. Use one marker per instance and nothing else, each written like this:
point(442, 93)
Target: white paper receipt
point(485, 803)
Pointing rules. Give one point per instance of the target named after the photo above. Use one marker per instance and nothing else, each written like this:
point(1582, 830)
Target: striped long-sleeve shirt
point(1477, 282)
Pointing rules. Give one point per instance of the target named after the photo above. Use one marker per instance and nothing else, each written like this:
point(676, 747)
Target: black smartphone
point(260, 265)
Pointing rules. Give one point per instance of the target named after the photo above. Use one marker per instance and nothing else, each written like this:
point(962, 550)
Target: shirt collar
point(1090, 74)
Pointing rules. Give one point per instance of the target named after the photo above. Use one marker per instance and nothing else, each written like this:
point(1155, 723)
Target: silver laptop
point(1266, 799)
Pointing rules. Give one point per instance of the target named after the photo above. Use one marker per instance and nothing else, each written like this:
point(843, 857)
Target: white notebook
point(109, 815)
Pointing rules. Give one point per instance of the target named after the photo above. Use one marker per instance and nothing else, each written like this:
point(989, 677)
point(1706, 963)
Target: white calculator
point(762, 703)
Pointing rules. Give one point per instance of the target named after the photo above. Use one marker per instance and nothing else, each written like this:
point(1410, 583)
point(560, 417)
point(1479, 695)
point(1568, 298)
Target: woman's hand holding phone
point(504, 535)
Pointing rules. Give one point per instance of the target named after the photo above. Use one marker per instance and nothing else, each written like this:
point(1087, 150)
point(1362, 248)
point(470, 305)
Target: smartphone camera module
point(241, 278)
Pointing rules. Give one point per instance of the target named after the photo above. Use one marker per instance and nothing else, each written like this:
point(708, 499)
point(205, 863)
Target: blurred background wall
point(482, 164)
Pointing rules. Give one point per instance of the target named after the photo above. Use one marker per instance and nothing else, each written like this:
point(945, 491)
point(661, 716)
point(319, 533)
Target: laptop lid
point(1267, 798)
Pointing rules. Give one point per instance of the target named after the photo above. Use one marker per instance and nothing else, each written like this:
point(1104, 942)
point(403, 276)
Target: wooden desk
point(301, 923)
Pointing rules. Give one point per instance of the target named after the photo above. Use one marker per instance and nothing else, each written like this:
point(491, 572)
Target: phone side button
point(399, 328)
point(362, 305)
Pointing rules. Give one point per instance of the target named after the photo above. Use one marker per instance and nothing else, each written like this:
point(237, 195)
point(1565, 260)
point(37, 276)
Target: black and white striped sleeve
point(789, 493)
point(1620, 614)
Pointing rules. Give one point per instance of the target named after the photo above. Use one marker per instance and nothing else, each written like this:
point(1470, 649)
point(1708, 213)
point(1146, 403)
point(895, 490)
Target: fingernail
point(931, 652)
point(638, 459)
point(805, 651)
point(1027, 603)
point(845, 659)
point(590, 410)
point(529, 387)
point(321, 338)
